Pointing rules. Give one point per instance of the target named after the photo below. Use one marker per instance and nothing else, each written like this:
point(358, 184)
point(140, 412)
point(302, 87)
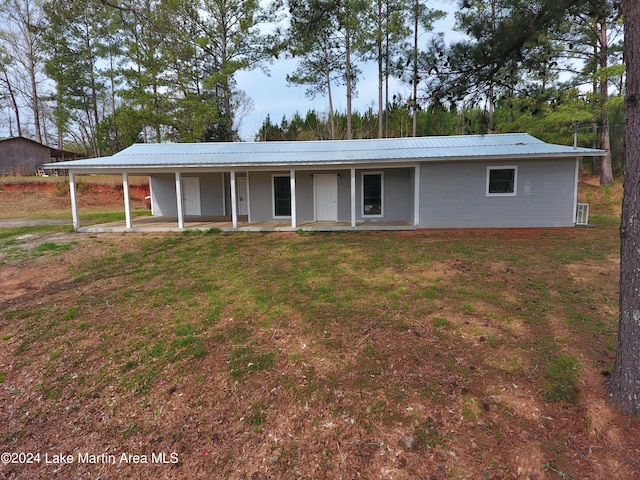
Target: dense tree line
point(102, 74)
point(553, 122)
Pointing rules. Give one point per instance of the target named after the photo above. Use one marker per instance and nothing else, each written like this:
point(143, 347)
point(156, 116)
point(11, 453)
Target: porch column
point(575, 191)
point(179, 200)
point(416, 195)
point(127, 199)
point(353, 197)
point(74, 201)
point(234, 200)
point(293, 199)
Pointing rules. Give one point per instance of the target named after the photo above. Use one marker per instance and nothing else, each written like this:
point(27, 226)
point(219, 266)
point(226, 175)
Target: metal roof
point(330, 152)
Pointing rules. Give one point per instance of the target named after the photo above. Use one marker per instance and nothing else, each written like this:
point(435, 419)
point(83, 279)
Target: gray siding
point(211, 193)
point(344, 195)
point(260, 196)
point(453, 195)
point(398, 194)
point(304, 196)
point(163, 194)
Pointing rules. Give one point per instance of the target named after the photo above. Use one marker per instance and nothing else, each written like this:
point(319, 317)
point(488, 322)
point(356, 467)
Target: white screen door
point(191, 195)
point(326, 197)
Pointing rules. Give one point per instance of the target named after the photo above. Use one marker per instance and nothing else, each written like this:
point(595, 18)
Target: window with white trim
point(502, 181)
point(281, 196)
point(372, 194)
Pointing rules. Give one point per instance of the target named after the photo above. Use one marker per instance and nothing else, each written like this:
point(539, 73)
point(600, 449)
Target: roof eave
point(342, 162)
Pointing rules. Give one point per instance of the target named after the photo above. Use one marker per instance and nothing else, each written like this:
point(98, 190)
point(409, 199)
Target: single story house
point(22, 156)
point(472, 181)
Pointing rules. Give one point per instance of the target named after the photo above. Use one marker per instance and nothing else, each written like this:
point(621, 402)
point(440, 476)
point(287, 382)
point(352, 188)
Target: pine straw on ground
point(375, 355)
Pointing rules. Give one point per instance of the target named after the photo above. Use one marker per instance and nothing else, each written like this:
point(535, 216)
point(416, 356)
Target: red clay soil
point(37, 196)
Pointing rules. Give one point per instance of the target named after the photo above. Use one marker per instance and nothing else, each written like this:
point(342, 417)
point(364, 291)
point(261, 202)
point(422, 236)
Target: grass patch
point(71, 313)
point(10, 236)
point(189, 347)
point(245, 361)
point(348, 342)
point(52, 247)
point(94, 217)
point(561, 379)
point(256, 417)
point(428, 435)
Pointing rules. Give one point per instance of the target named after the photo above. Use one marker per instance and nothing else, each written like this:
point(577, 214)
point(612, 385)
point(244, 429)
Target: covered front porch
point(225, 224)
point(309, 199)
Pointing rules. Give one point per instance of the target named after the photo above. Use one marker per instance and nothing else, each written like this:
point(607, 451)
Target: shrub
point(61, 188)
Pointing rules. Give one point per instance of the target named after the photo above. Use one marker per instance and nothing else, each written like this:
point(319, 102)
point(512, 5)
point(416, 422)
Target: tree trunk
point(14, 103)
point(595, 162)
point(349, 83)
point(156, 112)
point(332, 121)
point(606, 173)
point(491, 98)
point(386, 86)
point(59, 121)
point(414, 129)
point(35, 106)
point(94, 110)
point(380, 68)
point(624, 389)
point(228, 112)
point(492, 108)
point(226, 86)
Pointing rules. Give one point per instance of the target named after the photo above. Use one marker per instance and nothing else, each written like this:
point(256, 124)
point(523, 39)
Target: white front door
point(191, 195)
point(326, 197)
point(243, 205)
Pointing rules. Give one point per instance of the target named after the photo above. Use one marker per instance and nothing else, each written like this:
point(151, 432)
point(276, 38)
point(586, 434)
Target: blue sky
point(271, 94)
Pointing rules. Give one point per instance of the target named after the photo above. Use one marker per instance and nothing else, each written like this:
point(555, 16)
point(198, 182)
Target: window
point(502, 181)
point(281, 196)
point(372, 193)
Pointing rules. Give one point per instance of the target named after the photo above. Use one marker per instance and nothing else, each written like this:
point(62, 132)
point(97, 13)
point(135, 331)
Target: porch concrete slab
point(224, 224)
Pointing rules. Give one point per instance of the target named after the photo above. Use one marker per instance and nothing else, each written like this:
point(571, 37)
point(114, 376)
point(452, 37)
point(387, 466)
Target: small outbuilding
point(474, 181)
point(22, 156)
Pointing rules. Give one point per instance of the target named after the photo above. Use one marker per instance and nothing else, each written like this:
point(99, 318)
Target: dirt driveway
point(31, 223)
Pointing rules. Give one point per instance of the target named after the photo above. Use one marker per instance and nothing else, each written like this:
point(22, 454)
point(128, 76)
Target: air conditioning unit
point(582, 214)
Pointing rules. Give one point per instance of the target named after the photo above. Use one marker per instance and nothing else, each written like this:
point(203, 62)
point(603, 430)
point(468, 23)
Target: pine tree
point(625, 381)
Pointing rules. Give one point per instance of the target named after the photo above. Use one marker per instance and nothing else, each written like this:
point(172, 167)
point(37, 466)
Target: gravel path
point(31, 223)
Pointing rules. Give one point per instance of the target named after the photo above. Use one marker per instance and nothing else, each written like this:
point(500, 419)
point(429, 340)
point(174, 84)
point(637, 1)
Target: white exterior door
point(326, 197)
point(243, 204)
point(191, 196)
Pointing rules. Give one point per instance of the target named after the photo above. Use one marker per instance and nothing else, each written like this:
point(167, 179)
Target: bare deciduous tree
point(23, 41)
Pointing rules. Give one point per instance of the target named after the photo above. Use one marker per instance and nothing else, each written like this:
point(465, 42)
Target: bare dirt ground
point(30, 200)
point(511, 432)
